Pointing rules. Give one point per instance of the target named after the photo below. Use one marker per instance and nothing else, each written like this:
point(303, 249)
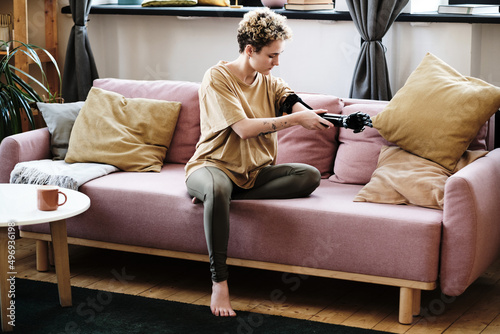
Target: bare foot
point(195, 200)
point(220, 303)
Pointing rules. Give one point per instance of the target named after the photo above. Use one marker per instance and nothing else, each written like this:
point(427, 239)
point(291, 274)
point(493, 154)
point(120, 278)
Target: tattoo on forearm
point(274, 127)
point(266, 133)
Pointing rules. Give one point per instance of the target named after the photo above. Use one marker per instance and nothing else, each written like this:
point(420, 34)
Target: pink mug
point(48, 198)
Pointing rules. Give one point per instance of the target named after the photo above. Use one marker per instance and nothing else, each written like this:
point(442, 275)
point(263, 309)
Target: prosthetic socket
point(356, 121)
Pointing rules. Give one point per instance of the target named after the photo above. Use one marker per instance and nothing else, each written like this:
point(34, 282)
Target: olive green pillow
point(438, 112)
point(132, 134)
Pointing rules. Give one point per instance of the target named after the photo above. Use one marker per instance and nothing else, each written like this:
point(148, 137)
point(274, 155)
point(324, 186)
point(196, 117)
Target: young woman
point(241, 106)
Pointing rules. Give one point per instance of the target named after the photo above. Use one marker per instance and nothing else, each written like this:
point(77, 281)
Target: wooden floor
point(316, 299)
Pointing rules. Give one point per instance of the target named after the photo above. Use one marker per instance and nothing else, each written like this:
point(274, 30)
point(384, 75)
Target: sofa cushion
point(438, 112)
point(132, 134)
point(316, 148)
point(326, 230)
point(59, 118)
point(187, 130)
point(404, 178)
point(358, 153)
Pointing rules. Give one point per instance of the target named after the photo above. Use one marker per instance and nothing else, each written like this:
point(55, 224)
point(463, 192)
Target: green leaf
point(17, 88)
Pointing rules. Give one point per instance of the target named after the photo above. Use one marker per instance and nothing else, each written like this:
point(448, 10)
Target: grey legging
point(215, 189)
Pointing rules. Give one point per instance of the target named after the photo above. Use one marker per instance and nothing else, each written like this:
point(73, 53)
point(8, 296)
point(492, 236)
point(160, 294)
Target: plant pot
point(274, 3)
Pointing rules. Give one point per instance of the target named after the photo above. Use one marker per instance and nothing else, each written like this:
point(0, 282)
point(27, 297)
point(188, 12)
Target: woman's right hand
point(310, 120)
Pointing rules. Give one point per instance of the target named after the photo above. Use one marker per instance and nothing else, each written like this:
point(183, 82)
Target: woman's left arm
point(253, 127)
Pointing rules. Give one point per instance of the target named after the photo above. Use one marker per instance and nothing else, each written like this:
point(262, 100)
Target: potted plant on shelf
point(17, 88)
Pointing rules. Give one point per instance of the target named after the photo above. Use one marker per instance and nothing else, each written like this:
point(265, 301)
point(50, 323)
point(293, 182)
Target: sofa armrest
point(471, 223)
point(26, 146)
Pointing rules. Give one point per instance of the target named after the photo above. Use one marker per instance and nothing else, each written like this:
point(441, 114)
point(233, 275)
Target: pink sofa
point(326, 234)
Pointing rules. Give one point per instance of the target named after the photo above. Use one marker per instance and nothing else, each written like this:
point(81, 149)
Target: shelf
point(42, 55)
point(20, 27)
point(214, 11)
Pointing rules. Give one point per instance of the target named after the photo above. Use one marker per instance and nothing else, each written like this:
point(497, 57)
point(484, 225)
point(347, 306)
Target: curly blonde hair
point(261, 27)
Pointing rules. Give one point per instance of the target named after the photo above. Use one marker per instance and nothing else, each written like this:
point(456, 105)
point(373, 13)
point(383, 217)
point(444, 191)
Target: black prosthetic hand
point(356, 121)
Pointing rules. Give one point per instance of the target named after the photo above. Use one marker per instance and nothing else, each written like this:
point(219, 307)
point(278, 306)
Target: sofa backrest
point(351, 157)
point(358, 153)
point(316, 148)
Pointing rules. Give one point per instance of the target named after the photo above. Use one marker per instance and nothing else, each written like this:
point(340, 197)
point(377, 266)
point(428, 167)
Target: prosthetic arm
point(356, 121)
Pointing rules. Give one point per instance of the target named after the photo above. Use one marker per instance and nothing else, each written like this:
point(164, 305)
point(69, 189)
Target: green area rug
point(37, 310)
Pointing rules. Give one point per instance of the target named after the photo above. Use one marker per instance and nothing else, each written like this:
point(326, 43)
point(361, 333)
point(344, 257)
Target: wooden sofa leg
point(42, 255)
point(409, 305)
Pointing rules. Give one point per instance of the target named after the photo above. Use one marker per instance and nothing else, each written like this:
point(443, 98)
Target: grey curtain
point(373, 18)
point(79, 68)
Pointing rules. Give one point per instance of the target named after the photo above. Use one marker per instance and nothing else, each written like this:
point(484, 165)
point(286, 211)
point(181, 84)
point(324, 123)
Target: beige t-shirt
point(225, 100)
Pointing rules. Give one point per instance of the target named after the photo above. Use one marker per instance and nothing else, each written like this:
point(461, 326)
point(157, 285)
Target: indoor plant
point(17, 88)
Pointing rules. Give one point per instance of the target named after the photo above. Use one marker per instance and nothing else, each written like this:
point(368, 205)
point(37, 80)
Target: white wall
point(489, 67)
point(320, 58)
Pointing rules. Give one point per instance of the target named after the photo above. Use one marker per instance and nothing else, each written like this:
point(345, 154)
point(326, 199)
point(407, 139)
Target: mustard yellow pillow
point(221, 3)
point(438, 112)
point(131, 134)
point(404, 178)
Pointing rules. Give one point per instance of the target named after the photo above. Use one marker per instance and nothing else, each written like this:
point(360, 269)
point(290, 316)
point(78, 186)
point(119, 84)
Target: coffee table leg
point(4, 284)
point(61, 259)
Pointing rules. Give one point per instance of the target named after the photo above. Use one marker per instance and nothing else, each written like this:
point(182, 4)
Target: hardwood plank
point(341, 309)
point(493, 327)
point(246, 296)
point(24, 249)
point(26, 268)
point(376, 308)
point(287, 294)
point(391, 324)
point(269, 292)
point(479, 315)
point(168, 286)
point(312, 296)
point(123, 282)
point(190, 288)
point(305, 308)
point(160, 291)
point(272, 307)
point(23, 243)
point(440, 312)
point(190, 296)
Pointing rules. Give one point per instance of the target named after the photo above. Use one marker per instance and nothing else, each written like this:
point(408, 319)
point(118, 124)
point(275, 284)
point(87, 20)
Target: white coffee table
point(18, 206)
